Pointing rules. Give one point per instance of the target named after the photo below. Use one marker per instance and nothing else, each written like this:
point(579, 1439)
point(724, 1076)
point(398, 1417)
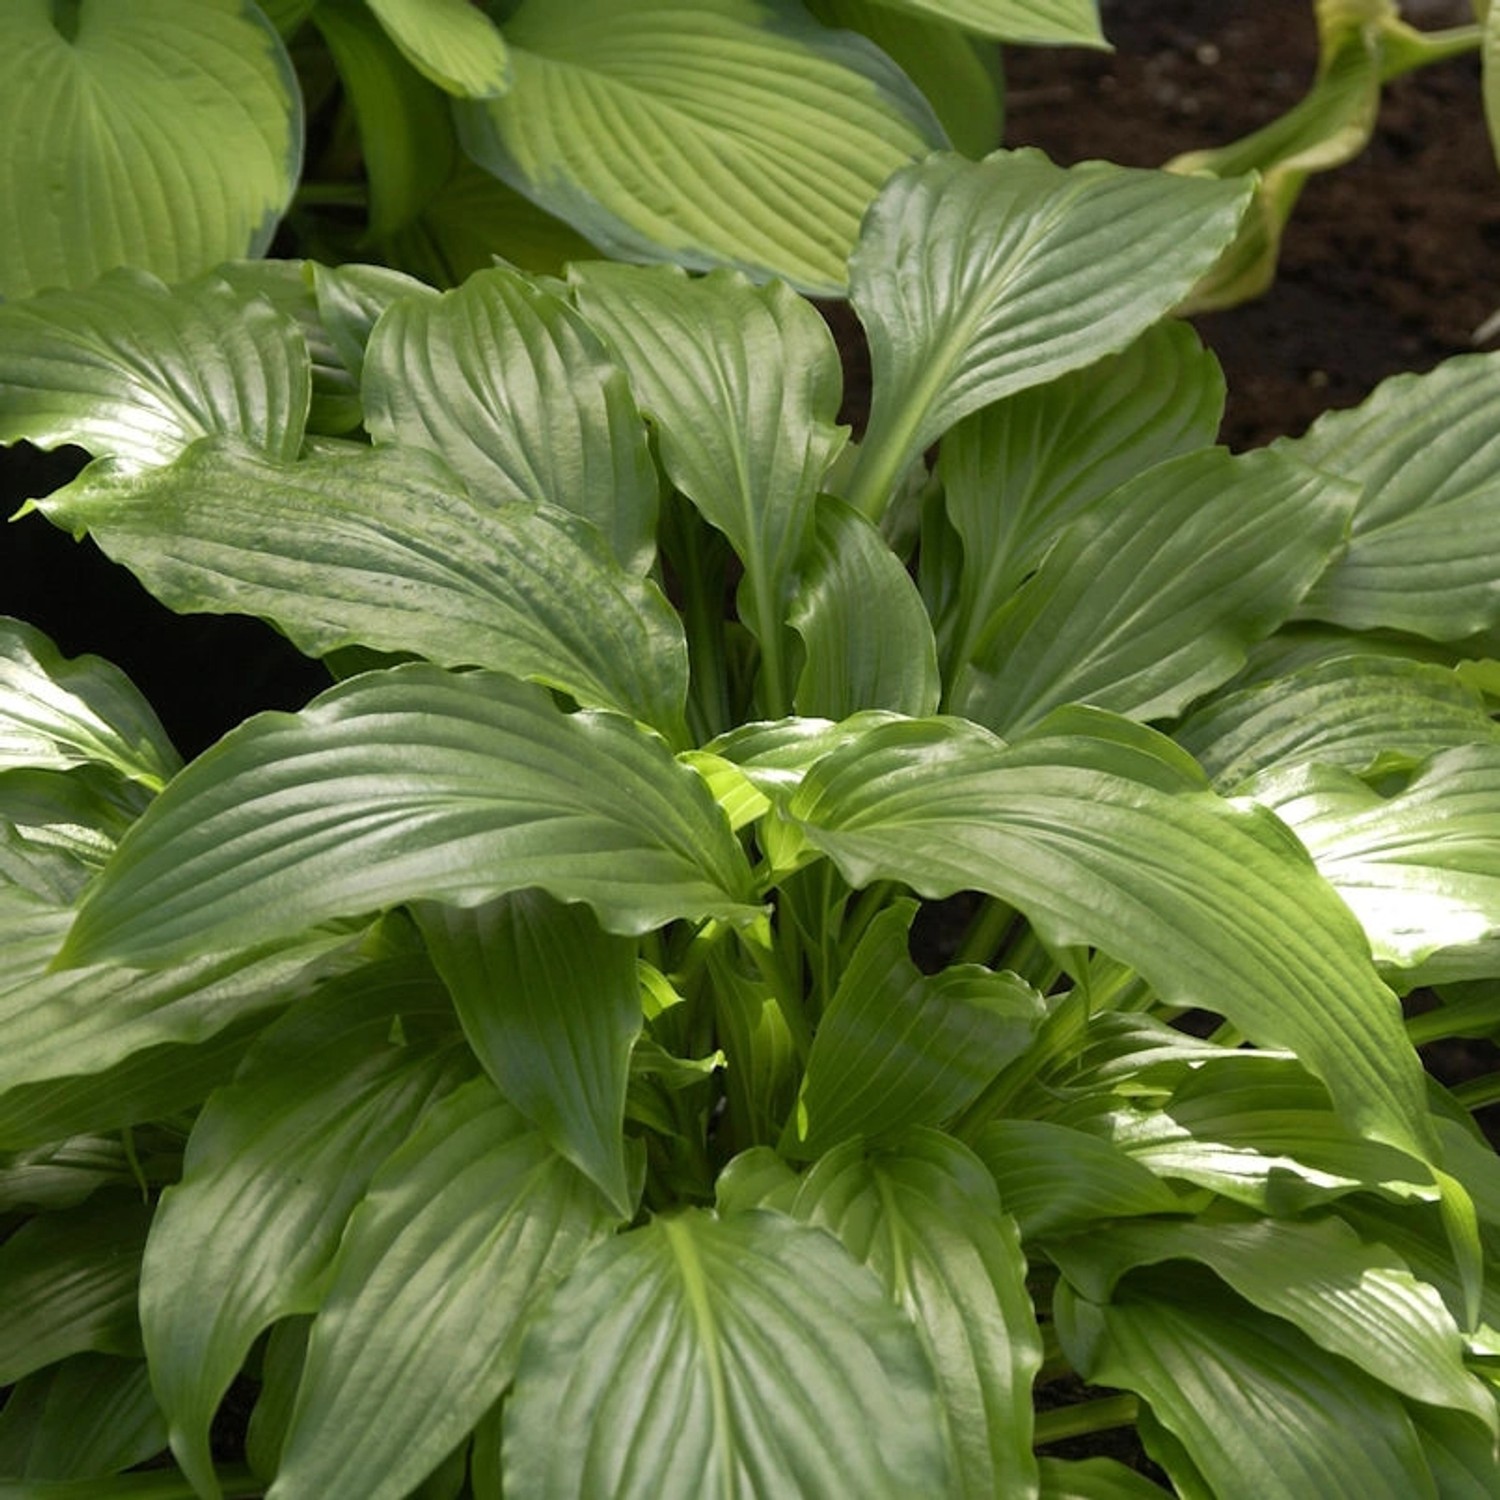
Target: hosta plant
point(781, 966)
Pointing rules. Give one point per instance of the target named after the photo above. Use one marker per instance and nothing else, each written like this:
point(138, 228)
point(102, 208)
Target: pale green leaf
point(1039, 22)
point(165, 134)
point(1053, 1178)
point(1094, 1479)
point(1359, 1301)
point(1426, 449)
point(975, 280)
point(551, 1005)
point(350, 300)
point(516, 393)
point(1213, 905)
point(725, 132)
point(864, 629)
point(897, 1047)
point(463, 1229)
point(1153, 597)
point(1259, 1409)
point(383, 548)
point(450, 41)
point(1020, 469)
point(274, 1165)
point(737, 1357)
point(925, 1217)
point(411, 783)
point(58, 713)
point(89, 1416)
point(68, 1284)
point(136, 371)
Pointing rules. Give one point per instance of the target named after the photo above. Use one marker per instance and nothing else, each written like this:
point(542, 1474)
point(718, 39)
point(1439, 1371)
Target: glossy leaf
point(350, 301)
point(57, 712)
point(384, 549)
point(1212, 905)
point(975, 280)
point(1153, 598)
point(517, 394)
point(61, 1173)
point(68, 1283)
point(453, 43)
point(1258, 1408)
point(1460, 1454)
point(275, 1163)
point(135, 370)
point(897, 1047)
point(462, 1231)
point(1017, 471)
point(165, 134)
point(925, 1217)
point(1426, 448)
point(752, 1354)
point(551, 1005)
point(411, 783)
point(89, 1416)
point(702, 136)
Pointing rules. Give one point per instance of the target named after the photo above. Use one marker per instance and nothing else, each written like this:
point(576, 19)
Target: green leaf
point(975, 280)
point(449, 41)
point(1213, 905)
point(383, 548)
point(463, 1229)
point(274, 1165)
point(1359, 713)
point(897, 1047)
point(58, 713)
point(1359, 1301)
point(1093, 1479)
point(165, 134)
point(1420, 868)
point(1053, 1178)
point(1460, 1454)
point(61, 1173)
point(89, 1416)
point(68, 1284)
point(136, 371)
point(727, 132)
point(280, 1372)
point(1258, 1407)
point(1151, 599)
point(1426, 448)
point(1040, 22)
point(1490, 56)
point(516, 393)
point(925, 1217)
point(410, 783)
point(1017, 471)
point(698, 1356)
point(864, 628)
point(551, 1005)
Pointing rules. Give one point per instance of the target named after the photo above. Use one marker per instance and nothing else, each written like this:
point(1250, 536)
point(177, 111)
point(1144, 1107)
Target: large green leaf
point(700, 1357)
point(1421, 867)
point(68, 1284)
point(462, 1230)
point(1212, 904)
point(1359, 1301)
point(453, 43)
point(1042, 22)
point(731, 131)
point(412, 783)
point(926, 1218)
point(165, 134)
point(551, 1005)
point(275, 1164)
point(1426, 448)
point(58, 713)
point(508, 384)
point(897, 1047)
point(743, 384)
point(865, 633)
point(383, 548)
point(1259, 1409)
point(975, 280)
point(1019, 470)
point(1152, 598)
point(136, 371)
